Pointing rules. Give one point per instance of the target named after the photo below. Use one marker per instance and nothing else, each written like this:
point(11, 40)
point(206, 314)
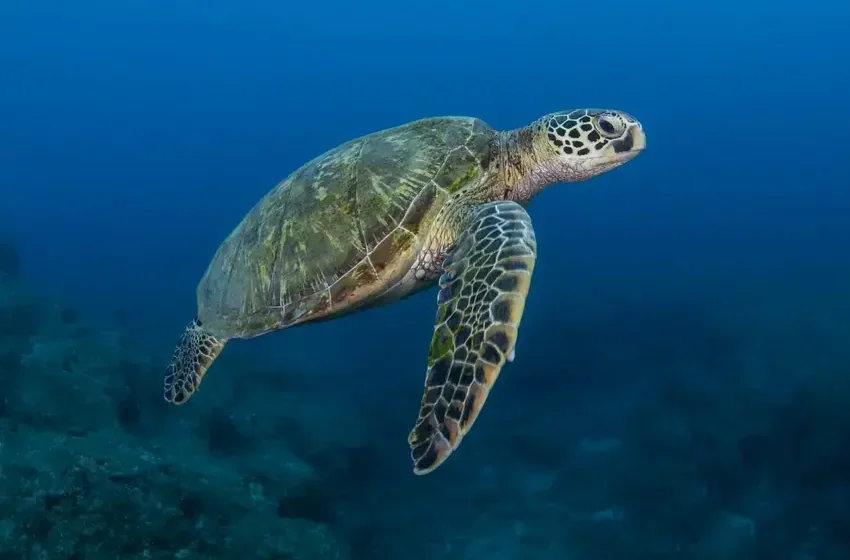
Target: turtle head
point(571, 146)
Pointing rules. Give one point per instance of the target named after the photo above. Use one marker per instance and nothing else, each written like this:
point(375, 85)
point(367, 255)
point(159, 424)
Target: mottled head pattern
point(572, 146)
point(588, 142)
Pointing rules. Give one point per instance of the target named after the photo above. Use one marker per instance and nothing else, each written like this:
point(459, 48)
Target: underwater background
point(682, 377)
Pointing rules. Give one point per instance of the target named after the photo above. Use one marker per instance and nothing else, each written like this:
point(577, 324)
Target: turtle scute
point(341, 229)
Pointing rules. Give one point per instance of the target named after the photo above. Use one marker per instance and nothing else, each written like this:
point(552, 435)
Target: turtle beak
point(639, 137)
point(632, 143)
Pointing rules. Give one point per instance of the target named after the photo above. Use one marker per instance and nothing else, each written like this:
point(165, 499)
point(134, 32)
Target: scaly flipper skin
point(192, 358)
point(482, 295)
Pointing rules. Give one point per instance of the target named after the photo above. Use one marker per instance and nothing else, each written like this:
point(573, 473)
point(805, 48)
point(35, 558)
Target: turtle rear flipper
point(481, 300)
point(193, 356)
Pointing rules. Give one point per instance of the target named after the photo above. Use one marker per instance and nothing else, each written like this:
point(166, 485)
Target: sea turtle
point(437, 200)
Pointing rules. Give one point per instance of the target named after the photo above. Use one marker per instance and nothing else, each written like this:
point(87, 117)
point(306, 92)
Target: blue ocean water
point(681, 377)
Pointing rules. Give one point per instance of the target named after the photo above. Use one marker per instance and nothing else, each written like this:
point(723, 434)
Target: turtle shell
point(342, 229)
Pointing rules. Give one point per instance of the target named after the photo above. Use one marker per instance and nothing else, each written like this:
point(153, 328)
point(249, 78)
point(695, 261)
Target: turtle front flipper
point(193, 356)
point(483, 289)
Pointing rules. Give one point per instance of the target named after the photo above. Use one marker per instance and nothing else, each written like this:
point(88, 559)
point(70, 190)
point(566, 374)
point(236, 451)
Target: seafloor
point(679, 436)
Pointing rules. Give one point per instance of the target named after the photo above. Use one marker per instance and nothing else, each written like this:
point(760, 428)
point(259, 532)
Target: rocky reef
point(695, 439)
point(93, 464)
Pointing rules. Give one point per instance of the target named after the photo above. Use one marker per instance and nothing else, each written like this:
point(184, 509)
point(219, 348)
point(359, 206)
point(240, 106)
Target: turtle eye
point(610, 126)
